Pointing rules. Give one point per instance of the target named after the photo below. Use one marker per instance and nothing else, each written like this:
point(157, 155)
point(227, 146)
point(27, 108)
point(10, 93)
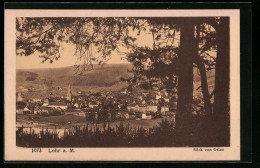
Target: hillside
point(100, 78)
point(25, 76)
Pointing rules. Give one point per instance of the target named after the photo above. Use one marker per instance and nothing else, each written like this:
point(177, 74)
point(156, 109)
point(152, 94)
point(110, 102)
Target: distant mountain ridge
point(107, 75)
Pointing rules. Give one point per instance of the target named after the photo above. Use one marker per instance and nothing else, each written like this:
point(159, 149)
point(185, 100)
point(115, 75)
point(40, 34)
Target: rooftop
point(57, 104)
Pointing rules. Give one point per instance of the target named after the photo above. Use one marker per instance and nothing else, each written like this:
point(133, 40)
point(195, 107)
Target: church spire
point(69, 90)
point(69, 94)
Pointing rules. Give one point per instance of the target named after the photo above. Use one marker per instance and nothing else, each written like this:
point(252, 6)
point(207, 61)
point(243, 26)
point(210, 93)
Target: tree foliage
point(153, 66)
point(47, 36)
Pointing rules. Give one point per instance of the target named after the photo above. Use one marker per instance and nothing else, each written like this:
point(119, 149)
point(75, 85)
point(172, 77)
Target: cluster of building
point(102, 105)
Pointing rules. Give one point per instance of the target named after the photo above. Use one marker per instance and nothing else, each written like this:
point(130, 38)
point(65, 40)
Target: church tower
point(69, 94)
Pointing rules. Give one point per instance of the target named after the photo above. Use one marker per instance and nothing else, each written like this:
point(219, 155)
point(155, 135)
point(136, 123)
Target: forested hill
point(100, 78)
point(107, 75)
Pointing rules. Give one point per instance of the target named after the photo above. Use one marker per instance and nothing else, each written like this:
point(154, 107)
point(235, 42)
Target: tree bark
point(203, 75)
point(221, 111)
point(185, 83)
point(204, 87)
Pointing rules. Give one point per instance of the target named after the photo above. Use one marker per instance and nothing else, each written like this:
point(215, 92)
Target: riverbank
point(36, 123)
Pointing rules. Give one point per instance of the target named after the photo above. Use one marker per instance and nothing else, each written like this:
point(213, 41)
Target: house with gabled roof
point(57, 105)
point(26, 110)
point(19, 97)
point(142, 108)
point(152, 107)
point(133, 107)
point(166, 99)
point(93, 104)
point(164, 109)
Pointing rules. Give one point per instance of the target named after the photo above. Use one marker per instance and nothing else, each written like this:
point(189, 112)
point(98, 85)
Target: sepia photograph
point(124, 82)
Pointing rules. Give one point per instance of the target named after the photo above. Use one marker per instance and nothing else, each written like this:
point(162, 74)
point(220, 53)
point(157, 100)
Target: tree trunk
point(221, 114)
point(204, 87)
point(185, 83)
point(205, 123)
point(203, 75)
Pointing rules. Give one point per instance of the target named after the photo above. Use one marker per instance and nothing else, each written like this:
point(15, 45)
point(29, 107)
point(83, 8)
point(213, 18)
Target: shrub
point(120, 136)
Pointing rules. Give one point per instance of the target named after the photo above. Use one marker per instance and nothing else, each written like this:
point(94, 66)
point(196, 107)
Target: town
point(137, 104)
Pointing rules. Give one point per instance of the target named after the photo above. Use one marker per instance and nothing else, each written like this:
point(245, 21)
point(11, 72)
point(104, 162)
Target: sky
point(67, 58)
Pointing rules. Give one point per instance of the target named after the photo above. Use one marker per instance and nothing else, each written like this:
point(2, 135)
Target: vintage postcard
point(122, 85)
